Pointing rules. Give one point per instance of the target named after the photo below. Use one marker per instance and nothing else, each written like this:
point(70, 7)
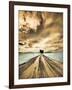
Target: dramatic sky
point(40, 30)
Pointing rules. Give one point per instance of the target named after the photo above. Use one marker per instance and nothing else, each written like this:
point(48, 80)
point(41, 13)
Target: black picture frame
point(11, 44)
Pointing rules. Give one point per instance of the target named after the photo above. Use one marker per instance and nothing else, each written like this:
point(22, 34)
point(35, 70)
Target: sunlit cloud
point(40, 30)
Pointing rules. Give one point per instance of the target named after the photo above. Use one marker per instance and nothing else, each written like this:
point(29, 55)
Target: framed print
point(39, 44)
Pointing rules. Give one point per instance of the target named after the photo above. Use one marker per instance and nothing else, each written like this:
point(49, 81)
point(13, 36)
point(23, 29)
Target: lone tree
point(41, 51)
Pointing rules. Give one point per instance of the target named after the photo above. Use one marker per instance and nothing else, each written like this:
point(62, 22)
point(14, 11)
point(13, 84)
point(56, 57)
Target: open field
point(41, 67)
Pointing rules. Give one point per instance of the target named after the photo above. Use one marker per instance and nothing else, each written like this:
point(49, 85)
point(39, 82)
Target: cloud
point(28, 21)
point(40, 30)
